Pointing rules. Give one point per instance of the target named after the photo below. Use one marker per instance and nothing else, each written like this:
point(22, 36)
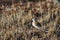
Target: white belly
point(34, 25)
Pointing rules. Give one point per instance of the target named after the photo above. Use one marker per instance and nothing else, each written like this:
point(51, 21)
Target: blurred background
point(16, 19)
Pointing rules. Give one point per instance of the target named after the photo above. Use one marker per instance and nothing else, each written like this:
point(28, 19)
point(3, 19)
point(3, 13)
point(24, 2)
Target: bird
point(36, 24)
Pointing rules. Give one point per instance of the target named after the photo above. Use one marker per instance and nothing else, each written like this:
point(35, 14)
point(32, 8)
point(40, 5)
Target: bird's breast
point(34, 25)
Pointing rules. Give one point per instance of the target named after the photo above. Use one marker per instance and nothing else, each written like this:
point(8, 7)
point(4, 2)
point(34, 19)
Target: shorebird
point(36, 24)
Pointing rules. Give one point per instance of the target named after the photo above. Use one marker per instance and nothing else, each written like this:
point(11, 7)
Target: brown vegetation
point(16, 23)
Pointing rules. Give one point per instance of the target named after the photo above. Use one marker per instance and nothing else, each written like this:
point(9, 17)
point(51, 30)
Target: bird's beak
point(31, 20)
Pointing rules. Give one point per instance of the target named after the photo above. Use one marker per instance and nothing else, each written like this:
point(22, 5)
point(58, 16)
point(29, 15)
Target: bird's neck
point(33, 20)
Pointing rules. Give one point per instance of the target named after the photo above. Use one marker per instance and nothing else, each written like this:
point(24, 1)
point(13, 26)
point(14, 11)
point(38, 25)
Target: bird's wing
point(38, 24)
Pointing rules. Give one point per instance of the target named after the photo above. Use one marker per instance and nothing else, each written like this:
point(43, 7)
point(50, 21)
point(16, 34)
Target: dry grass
point(15, 22)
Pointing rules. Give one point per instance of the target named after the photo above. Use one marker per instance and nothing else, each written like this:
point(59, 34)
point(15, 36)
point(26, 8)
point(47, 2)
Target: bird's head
point(34, 19)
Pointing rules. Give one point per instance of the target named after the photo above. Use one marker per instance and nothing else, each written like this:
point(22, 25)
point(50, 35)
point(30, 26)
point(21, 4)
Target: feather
point(36, 24)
